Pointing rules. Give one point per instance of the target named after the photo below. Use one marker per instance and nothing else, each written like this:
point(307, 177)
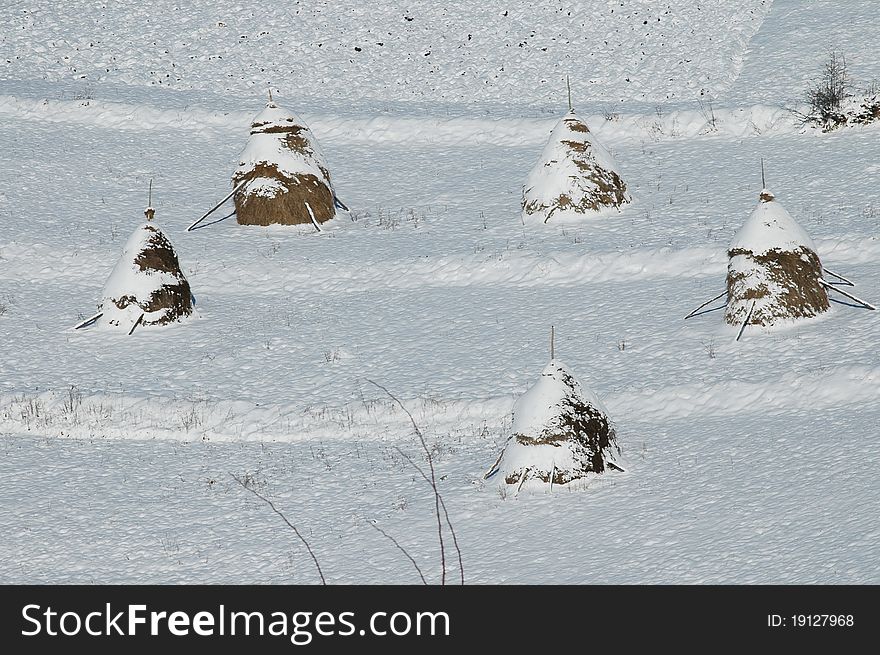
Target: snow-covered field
point(747, 462)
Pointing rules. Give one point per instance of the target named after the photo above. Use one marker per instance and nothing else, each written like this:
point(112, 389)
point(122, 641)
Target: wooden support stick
point(864, 304)
point(839, 277)
point(312, 216)
point(746, 322)
point(136, 323)
point(552, 342)
point(523, 479)
point(494, 468)
point(238, 188)
point(723, 293)
point(88, 321)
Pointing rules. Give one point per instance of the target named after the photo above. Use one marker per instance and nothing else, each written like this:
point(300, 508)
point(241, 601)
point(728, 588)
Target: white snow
point(749, 462)
point(771, 227)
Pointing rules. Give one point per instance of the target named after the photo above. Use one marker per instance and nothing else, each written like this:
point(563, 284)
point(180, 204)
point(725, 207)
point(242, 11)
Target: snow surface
point(749, 462)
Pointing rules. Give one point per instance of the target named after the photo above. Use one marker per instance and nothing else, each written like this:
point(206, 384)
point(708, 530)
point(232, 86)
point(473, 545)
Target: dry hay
point(288, 205)
point(276, 196)
point(783, 284)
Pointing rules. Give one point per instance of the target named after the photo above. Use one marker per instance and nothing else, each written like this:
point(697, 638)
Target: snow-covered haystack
point(773, 273)
point(146, 287)
point(561, 433)
point(286, 180)
point(575, 176)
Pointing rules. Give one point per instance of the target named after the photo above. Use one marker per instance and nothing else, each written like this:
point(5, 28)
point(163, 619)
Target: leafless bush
point(826, 95)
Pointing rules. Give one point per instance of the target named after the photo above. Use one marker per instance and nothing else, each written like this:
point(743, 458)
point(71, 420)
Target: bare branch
point(401, 549)
point(244, 485)
point(443, 506)
point(433, 476)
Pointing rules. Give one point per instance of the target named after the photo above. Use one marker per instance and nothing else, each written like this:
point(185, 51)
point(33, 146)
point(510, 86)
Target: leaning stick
point(88, 321)
point(136, 323)
point(494, 468)
point(723, 293)
point(746, 322)
point(864, 304)
point(217, 220)
point(839, 277)
point(312, 216)
point(523, 478)
point(217, 206)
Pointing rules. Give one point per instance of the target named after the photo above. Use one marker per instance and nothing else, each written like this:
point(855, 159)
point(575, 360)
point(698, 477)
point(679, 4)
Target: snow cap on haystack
point(575, 176)
point(773, 270)
point(286, 179)
point(146, 282)
point(561, 433)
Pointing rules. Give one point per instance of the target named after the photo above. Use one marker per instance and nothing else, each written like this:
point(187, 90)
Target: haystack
point(146, 287)
point(285, 179)
point(773, 273)
point(561, 433)
point(574, 177)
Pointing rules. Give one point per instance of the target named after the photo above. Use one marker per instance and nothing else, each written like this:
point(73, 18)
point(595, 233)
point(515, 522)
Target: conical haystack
point(773, 271)
point(561, 433)
point(575, 176)
point(287, 181)
point(146, 287)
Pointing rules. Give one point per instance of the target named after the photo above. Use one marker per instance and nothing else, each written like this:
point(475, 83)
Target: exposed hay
point(785, 284)
point(284, 202)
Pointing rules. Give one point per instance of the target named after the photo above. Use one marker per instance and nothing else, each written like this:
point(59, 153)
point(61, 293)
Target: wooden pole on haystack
point(149, 212)
point(568, 87)
point(552, 342)
point(763, 183)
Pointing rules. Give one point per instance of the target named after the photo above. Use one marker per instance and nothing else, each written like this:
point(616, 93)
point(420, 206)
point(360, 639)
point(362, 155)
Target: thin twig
point(433, 477)
point(402, 550)
point(283, 518)
point(443, 506)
